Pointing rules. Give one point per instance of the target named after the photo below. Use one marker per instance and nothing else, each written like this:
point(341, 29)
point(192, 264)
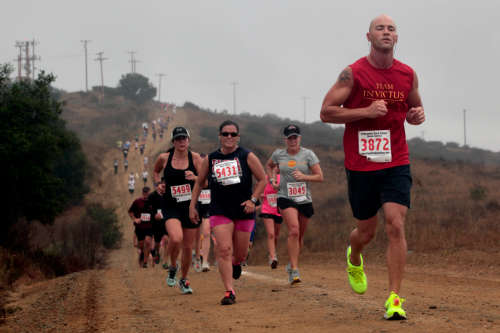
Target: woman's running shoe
point(293, 276)
point(185, 286)
point(197, 265)
point(228, 299)
point(172, 271)
point(273, 263)
point(205, 267)
point(236, 271)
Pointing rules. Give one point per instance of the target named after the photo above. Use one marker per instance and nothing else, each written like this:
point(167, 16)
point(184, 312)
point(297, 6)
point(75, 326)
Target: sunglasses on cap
point(232, 134)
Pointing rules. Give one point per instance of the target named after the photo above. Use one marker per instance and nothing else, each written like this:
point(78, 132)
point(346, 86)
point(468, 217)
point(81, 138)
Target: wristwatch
point(254, 200)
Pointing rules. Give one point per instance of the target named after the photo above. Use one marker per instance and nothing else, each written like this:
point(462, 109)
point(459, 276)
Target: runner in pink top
point(272, 219)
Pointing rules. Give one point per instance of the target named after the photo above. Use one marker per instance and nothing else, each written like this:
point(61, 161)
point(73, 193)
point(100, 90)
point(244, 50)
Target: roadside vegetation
point(46, 176)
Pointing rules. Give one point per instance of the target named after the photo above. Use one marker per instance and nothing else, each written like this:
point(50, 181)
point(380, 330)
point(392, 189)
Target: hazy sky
point(277, 51)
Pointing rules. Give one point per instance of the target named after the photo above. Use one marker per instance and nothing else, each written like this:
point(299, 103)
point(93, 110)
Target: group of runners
point(373, 97)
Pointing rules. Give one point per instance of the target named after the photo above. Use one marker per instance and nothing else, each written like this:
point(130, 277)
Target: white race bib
point(181, 192)
point(204, 197)
point(272, 199)
point(145, 217)
point(297, 191)
point(227, 172)
point(375, 145)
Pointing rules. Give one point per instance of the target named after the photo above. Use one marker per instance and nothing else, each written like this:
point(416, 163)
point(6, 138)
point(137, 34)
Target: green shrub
point(109, 226)
point(478, 192)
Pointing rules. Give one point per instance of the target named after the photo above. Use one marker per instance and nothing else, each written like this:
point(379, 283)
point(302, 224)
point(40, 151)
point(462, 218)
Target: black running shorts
point(277, 219)
point(141, 233)
point(159, 230)
point(203, 210)
point(369, 190)
point(181, 215)
point(305, 209)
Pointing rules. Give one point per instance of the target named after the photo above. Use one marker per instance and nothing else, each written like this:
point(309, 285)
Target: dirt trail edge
point(126, 298)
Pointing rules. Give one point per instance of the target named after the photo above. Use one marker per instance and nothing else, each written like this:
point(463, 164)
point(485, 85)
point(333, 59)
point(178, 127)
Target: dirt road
point(125, 298)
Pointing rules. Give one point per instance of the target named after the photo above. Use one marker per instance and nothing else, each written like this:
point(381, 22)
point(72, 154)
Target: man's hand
point(415, 115)
point(377, 109)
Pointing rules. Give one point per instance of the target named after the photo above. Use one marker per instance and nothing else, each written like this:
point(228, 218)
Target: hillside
point(452, 199)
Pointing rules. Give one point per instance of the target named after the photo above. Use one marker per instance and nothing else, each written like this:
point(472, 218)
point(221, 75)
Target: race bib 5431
point(227, 172)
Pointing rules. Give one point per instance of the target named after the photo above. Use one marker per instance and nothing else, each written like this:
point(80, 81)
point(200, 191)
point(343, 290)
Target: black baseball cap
point(178, 132)
point(291, 130)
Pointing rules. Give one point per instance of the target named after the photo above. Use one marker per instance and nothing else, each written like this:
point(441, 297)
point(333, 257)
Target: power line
point(85, 41)
point(101, 59)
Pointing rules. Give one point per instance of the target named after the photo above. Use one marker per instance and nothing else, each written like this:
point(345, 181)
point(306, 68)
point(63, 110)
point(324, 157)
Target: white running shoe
point(197, 265)
point(205, 267)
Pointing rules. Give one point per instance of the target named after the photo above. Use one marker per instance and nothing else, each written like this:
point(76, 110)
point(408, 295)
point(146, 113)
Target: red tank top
point(392, 85)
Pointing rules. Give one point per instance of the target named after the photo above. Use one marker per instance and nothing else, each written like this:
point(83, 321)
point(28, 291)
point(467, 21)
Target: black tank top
point(226, 197)
point(178, 188)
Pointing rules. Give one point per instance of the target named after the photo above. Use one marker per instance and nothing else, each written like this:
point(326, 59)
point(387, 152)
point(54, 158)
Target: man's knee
point(366, 235)
point(394, 226)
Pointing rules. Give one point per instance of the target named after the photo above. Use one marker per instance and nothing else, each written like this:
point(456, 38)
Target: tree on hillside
point(43, 163)
point(136, 87)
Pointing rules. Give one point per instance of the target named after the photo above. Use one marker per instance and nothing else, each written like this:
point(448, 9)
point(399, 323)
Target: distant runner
point(131, 185)
point(141, 217)
point(156, 204)
point(115, 164)
point(373, 97)
point(271, 218)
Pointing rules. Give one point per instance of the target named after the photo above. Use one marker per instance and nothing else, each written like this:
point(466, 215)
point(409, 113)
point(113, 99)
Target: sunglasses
point(232, 134)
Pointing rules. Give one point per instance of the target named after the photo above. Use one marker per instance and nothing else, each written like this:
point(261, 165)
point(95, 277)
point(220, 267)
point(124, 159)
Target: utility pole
point(85, 41)
point(465, 132)
point(234, 83)
point(27, 65)
point(101, 59)
point(160, 77)
point(19, 45)
point(305, 98)
point(133, 61)
point(34, 57)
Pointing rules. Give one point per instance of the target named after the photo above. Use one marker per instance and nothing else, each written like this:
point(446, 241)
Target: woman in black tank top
point(232, 202)
point(180, 168)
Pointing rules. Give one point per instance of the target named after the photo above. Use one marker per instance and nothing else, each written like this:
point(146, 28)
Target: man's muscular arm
point(415, 115)
point(332, 110)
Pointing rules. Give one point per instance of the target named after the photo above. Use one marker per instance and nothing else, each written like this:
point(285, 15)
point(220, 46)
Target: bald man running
point(373, 97)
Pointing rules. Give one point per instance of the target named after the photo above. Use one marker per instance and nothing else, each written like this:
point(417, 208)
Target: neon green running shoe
point(356, 275)
point(393, 308)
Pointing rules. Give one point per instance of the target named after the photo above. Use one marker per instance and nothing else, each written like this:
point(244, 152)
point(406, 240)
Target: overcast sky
point(277, 51)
